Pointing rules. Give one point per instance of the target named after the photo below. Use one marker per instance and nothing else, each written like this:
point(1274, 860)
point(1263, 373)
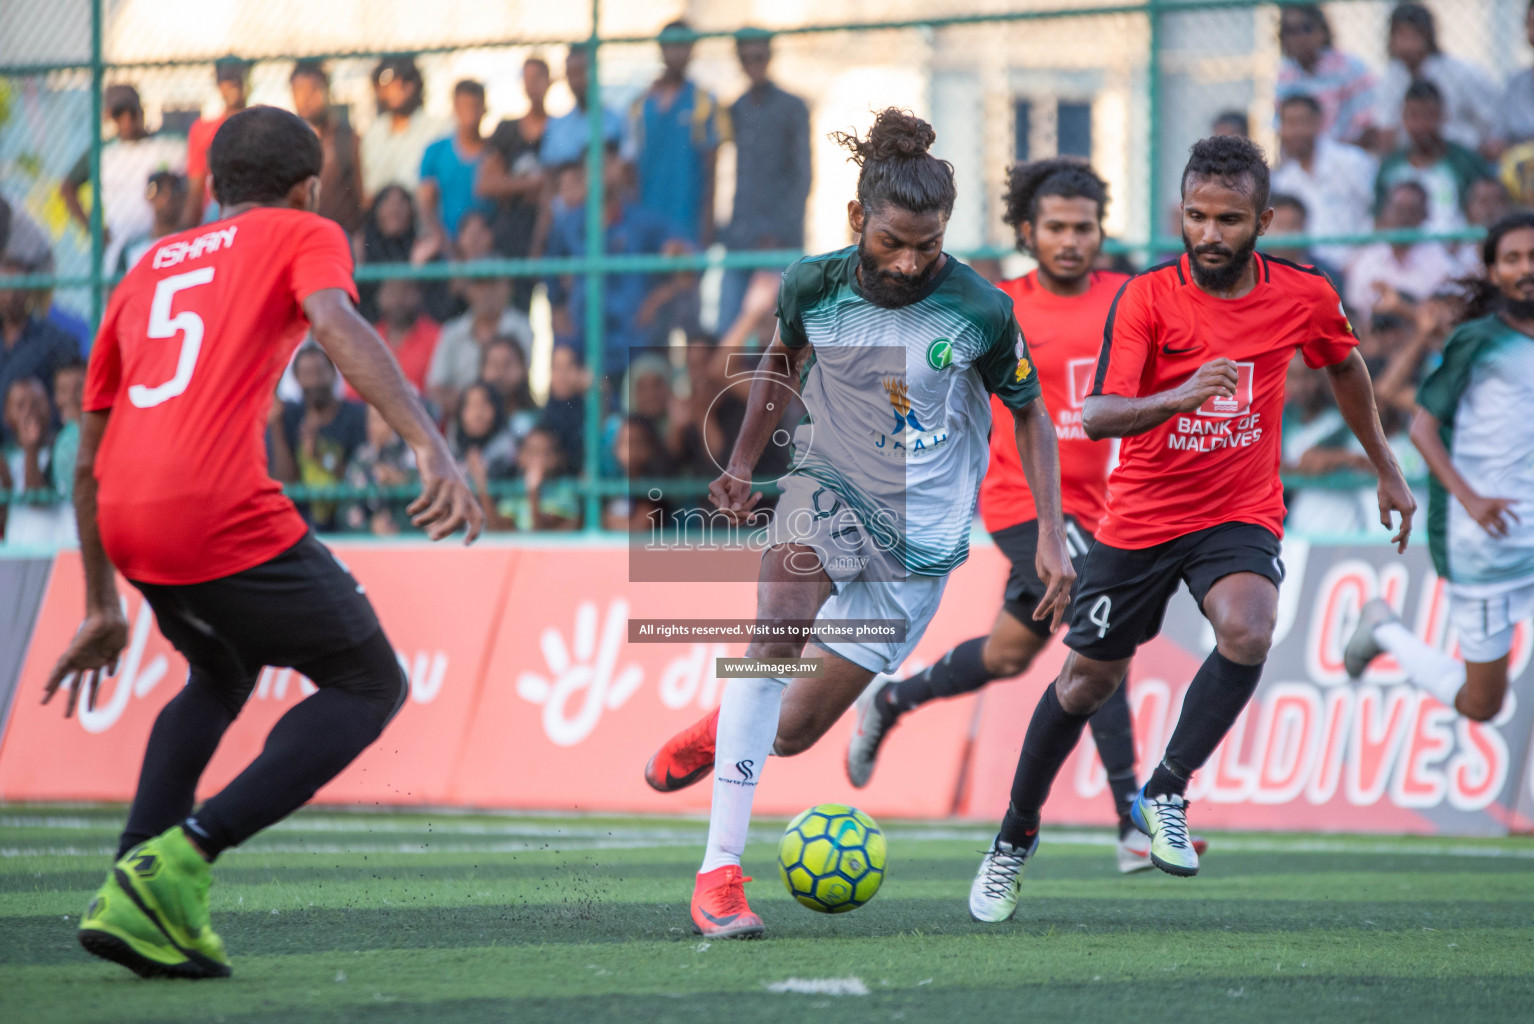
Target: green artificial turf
point(447, 918)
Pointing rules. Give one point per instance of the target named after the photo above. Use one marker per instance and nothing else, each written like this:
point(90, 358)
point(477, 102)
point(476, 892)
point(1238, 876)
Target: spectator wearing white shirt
point(394, 143)
point(460, 347)
point(1470, 95)
point(127, 161)
point(1416, 270)
point(1515, 114)
point(1334, 180)
point(1290, 218)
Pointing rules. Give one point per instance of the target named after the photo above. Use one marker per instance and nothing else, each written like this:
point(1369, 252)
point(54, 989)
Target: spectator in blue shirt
point(564, 139)
point(639, 309)
point(450, 165)
point(673, 140)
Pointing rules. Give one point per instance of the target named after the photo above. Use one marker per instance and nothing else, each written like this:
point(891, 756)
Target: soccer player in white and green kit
point(1476, 434)
point(895, 348)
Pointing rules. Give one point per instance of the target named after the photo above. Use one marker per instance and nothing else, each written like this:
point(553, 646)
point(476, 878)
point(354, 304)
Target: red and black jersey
point(187, 359)
point(1218, 463)
point(1064, 337)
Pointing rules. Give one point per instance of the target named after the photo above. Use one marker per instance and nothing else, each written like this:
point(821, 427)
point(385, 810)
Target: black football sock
point(184, 737)
point(361, 689)
point(961, 670)
point(1052, 735)
point(1113, 732)
point(1219, 692)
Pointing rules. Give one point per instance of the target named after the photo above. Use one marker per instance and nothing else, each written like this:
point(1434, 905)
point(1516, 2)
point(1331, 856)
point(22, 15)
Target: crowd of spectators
point(1431, 144)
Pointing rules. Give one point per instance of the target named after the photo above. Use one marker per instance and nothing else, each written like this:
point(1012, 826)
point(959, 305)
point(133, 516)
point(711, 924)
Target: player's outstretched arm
point(771, 392)
point(1355, 400)
point(1105, 416)
point(1492, 513)
point(1039, 451)
point(104, 633)
point(446, 502)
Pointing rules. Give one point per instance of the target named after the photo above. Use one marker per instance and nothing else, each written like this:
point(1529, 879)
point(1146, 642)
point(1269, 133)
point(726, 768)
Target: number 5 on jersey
point(163, 325)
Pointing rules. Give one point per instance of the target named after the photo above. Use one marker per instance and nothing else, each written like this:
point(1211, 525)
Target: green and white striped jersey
point(899, 413)
point(1482, 394)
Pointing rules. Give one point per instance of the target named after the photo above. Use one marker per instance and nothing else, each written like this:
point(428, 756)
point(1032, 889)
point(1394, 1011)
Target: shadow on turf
point(48, 940)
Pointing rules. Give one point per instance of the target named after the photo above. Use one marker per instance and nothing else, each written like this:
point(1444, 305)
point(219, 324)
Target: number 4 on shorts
point(1101, 609)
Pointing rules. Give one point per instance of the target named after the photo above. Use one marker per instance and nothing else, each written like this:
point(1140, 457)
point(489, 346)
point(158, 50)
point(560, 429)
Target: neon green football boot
point(152, 916)
point(1165, 820)
point(114, 928)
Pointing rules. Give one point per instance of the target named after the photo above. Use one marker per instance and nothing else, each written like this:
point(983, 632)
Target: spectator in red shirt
point(232, 75)
point(411, 334)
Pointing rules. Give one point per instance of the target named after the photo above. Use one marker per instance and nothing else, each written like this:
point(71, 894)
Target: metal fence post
point(98, 85)
point(596, 320)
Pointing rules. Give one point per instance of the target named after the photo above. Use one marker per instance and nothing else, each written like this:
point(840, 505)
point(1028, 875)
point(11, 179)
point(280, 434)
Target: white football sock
point(748, 724)
point(1428, 667)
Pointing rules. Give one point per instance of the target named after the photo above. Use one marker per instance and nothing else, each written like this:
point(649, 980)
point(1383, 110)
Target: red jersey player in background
point(1056, 207)
point(1191, 374)
point(172, 489)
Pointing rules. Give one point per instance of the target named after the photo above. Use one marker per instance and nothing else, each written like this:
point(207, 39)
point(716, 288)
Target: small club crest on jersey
point(1024, 370)
point(940, 354)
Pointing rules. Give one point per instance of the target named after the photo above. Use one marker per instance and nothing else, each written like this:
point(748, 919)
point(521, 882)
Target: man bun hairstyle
point(896, 167)
point(1233, 161)
point(1067, 177)
point(260, 153)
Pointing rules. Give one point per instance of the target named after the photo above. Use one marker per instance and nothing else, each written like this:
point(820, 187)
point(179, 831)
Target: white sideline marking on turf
point(344, 848)
point(821, 986)
point(438, 837)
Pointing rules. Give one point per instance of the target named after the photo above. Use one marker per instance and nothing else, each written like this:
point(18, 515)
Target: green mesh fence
point(1128, 85)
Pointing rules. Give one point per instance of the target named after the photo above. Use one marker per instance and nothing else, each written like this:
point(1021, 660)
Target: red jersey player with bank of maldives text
point(172, 490)
point(1191, 376)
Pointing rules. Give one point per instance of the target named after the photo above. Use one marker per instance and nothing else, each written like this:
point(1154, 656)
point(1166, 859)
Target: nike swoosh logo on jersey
point(1168, 350)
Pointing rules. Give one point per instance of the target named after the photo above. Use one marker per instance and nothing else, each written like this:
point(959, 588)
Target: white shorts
point(867, 582)
point(1485, 614)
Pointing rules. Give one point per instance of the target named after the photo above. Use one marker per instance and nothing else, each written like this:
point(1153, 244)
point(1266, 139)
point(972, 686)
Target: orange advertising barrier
point(524, 691)
point(437, 608)
point(1313, 750)
point(570, 711)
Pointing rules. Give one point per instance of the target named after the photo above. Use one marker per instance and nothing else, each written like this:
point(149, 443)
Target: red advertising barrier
point(1313, 751)
point(525, 693)
point(437, 609)
point(570, 711)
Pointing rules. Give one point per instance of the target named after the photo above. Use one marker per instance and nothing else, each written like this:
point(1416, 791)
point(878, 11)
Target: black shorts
point(1025, 590)
point(300, 608)
point(1121, 595)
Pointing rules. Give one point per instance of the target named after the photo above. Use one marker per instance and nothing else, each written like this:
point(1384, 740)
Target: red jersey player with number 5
point(172, 489)
point(1191, 375)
